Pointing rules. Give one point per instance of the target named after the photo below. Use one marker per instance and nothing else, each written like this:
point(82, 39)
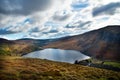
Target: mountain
point(16, 47)
point(103, 43)
point(22, 46)
point(38, 42)
point(4, 41)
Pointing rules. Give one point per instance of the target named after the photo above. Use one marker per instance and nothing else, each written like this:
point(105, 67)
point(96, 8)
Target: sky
point(47, 19)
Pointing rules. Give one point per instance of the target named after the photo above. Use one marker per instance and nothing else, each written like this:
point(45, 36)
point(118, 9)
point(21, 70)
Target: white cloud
point(52, 22)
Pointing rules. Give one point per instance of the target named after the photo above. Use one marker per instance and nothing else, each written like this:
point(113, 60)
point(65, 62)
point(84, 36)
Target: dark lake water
point(58, 55)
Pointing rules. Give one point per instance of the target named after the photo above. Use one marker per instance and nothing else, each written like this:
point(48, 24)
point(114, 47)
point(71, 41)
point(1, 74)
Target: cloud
point(23, 7)
point(53, 31)
point(60, 17)
point(26, 15)
point(36, 29)
point(79, 24)
point(55, 18)
point(106, 9)
point(4, 32)
point(79, 4)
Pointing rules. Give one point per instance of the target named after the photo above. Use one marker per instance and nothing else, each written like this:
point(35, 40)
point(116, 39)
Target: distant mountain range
point(103, 43)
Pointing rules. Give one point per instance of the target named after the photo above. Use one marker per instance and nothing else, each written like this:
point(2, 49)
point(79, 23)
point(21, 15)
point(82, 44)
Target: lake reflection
point(58, 55)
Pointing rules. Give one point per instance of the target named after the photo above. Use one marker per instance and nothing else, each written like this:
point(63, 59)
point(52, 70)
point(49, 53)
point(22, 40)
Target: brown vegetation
point(17, 68)
point(16, 47)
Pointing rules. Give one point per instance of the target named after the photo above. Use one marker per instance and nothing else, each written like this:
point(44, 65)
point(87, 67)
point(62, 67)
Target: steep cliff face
point(103, 43)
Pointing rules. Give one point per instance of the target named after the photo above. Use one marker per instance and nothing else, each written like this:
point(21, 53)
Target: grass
point(17, 68)
point(115, 64)
point(18, 49)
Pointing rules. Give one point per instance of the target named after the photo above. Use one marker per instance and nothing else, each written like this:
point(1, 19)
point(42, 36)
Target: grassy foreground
point(17, 68)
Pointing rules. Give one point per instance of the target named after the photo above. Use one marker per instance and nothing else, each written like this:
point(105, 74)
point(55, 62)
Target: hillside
point(22, 46)
point(17, 68)
point(103, 43)
point(15, 47)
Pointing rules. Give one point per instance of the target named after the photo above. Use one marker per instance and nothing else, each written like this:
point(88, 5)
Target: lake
point(60, 55)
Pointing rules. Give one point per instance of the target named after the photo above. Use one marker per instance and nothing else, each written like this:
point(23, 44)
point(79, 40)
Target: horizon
point(50, 19)
point(63, 36)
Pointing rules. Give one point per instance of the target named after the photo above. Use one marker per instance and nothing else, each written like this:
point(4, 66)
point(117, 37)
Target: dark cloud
point(1, 17)
point(36, 29)
point(106, 9)
point(79, 6)
point(61, 17)
point(81, 24)
point(4, 32)
point(84, 23)
point(53, 31)
point(69, 26)
point(23, 7)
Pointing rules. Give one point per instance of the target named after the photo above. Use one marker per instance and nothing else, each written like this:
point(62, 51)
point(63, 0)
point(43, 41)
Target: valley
point(53, 59)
